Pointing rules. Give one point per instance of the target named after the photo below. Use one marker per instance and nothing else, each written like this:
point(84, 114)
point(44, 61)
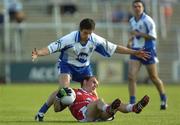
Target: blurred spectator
point(15, 9)
point(120, 15)
point(67, 7)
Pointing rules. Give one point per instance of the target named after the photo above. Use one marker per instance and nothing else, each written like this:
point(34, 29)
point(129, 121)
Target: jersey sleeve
point(55, 46)
point(151, 28)
point(59, 44)
point(104, 47)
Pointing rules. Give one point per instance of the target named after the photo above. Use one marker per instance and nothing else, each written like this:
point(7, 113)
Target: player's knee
point(100, 100)
point(56, 109)
point(131, 78)
point(154, 78)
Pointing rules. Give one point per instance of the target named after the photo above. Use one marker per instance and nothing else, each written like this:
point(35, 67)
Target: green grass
point(19, 103)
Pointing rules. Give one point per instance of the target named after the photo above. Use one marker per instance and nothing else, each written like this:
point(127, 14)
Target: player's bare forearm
point(40, 52)
point(145, 35)
point(139, 53)
point(43, 52)
point(129, 44)
point(124, 50)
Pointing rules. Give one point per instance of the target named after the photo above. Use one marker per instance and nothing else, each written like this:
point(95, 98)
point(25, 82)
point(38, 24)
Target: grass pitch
point(20, 102)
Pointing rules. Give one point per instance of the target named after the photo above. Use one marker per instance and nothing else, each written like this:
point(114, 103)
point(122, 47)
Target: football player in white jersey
point(143, 36)
point(75, 50)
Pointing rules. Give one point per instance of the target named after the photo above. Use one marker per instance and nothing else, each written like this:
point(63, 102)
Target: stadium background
point(45, 22)
point(24, 85)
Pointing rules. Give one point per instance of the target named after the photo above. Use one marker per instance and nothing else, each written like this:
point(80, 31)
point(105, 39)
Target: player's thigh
point(64, 78)
point(92, 111)
point(152, 70)
point(134, 66)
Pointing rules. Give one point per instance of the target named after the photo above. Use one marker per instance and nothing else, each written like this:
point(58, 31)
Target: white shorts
point(84, 113)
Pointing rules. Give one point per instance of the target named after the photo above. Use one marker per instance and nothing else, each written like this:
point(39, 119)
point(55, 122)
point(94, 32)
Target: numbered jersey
point(83, 98)
point(74, 53)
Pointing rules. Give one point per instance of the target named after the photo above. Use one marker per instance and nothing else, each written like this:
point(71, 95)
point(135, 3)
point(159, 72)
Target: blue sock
point(163, 97)
point(132, 99)
point(44, 108)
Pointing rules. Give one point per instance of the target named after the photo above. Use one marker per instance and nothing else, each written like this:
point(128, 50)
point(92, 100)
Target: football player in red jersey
point(87, 107)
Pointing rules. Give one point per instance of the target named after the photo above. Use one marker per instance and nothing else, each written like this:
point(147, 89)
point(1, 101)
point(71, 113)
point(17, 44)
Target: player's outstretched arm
point(139, 53)
point(40, 52)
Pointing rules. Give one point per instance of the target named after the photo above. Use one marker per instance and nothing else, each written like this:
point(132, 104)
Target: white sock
point(104, 107)
point(41, 114)
point(129, 107)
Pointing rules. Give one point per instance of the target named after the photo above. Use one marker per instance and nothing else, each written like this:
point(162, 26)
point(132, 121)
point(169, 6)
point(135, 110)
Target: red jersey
point(83, 98)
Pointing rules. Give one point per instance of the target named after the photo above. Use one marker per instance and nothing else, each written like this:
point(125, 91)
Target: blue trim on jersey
point(63, 56)
point(76, 37)
point(77, 73)
point(146, 26)
point(100, 49)
point(91, 39)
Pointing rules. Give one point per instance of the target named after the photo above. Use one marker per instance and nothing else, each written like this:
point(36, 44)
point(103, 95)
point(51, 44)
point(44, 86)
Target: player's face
point(85, 34)
point(91, 84)
point(138, 8)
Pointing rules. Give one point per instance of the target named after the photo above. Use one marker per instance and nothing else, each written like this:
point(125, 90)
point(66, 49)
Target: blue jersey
point(145, 25)
point(76, 54)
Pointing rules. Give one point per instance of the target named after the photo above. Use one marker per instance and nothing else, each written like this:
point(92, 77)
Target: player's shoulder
point(148, 18)
point(131, 19)
point(69, 37)
point(97, 38)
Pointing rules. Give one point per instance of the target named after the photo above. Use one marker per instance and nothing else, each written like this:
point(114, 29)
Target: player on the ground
point(76, 50)
point(143, 36)
point(87, 107)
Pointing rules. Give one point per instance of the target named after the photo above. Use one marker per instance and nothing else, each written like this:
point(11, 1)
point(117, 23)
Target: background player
point(143, 36)
point(76, 50)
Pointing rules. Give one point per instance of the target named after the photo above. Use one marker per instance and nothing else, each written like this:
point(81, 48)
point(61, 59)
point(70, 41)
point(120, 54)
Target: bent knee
point(131, 78)
point(154, 78)
point(56, 109)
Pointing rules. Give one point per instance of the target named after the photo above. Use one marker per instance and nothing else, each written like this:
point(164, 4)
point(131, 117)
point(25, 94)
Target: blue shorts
point(152, 60)
point(77, 73)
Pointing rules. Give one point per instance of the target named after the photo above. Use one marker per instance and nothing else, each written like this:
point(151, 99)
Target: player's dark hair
point(86, 78)
point(137, 1)
point(87, 23)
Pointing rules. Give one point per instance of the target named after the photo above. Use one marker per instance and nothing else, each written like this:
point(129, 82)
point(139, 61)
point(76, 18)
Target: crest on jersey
point(82, 57)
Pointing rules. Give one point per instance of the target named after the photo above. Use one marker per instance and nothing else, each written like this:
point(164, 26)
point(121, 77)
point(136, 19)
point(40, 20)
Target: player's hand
point(34, 54)
point(142, 54)
point(64, 92)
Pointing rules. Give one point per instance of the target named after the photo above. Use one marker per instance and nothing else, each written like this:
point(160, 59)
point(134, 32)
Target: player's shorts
point(152, 60)
point(77, 73)
point(83, 114)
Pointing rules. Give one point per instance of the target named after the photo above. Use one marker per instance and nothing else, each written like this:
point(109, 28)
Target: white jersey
point(74, 53)
point(145, 25)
